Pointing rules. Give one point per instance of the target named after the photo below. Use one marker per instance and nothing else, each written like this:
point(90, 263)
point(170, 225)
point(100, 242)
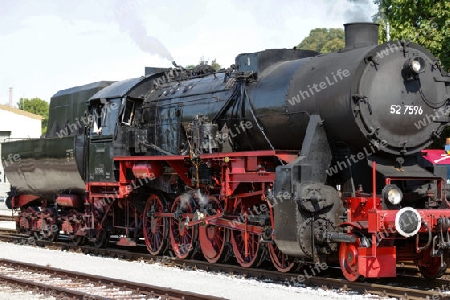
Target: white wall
point(21, 125)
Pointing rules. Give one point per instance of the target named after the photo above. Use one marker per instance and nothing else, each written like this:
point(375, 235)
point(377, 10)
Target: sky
point(51, 45)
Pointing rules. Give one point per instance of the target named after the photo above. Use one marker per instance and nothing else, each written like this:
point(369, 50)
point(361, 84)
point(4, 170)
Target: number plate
point(406, 109)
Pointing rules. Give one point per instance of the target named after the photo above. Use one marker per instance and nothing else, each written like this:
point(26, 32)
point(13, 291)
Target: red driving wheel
point(214, 239)
point(182, 238)
point(155, 228)
point(348, 260)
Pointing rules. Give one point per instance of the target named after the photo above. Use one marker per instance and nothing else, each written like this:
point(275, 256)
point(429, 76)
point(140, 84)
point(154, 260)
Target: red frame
point(366, 215)
point(237, 167)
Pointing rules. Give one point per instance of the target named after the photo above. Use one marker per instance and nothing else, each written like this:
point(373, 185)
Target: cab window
point(104, 117)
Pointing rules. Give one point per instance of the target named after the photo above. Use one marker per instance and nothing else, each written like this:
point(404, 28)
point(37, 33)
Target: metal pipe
point(430, 238)
point(374, 183)
point(341, 238)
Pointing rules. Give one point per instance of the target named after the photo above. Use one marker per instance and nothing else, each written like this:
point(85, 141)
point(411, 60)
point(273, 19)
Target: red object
point(126, 242)
point(69, 201)
point(437, 157)
point(366, 214)
point(150, 170)
point(23, 200)
point(381, 262)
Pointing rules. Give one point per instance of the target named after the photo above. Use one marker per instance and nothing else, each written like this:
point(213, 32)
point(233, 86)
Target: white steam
point(358, 11)
point(184, 201)
point(201, 199)
point(130, 22)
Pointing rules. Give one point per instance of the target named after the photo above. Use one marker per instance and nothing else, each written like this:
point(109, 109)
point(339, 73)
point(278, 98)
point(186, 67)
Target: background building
point(15, 124)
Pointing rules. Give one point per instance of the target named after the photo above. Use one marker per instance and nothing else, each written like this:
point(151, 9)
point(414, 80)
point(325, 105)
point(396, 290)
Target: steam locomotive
point(288, 155)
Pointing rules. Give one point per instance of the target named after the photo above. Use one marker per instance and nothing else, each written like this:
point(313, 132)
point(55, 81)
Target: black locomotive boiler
point(307, 157)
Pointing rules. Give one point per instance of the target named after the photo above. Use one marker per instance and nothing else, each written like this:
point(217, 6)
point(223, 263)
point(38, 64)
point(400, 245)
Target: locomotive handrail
point(430, 238)
point(374, 184)
point(18, 139)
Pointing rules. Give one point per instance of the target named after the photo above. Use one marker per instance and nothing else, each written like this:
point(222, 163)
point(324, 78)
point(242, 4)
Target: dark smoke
point(359, 11)
point(130, 22)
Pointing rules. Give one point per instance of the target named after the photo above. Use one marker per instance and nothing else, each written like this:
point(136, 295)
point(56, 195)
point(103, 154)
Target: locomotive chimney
point(360, 34)
point(10, 96)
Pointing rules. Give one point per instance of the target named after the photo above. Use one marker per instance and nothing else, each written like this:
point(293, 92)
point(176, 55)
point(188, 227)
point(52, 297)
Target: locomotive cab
point(103, 119)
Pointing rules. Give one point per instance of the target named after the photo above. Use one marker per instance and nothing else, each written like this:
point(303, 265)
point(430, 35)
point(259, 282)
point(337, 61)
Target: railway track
point(330, 278)
point(77, 285)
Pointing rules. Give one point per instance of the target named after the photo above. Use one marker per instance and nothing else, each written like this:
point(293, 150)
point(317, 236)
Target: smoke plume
point(130, 22)
point(358, 11)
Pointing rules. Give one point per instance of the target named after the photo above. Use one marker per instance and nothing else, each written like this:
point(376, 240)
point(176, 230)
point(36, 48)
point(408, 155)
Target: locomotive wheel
point(48, 230)
point(280, 260)
point(214, 239)
point(182, 238)
point(46, 235)
point(213, 242)
point(430, 267)
point(155, 228)
point(75, 239)
point(78, 240)
point(348, 260)
point(101, 238)
point(253, 257)
point(28, 220)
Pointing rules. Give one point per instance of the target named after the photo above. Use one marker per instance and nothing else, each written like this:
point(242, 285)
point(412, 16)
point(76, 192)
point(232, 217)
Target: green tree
point(36, 106)
point(323, 40)
point(215, 65)
point(426, 22)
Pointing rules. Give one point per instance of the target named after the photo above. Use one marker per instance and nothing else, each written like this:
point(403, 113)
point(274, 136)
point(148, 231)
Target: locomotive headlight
point(416, 64)
point(392, 194)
